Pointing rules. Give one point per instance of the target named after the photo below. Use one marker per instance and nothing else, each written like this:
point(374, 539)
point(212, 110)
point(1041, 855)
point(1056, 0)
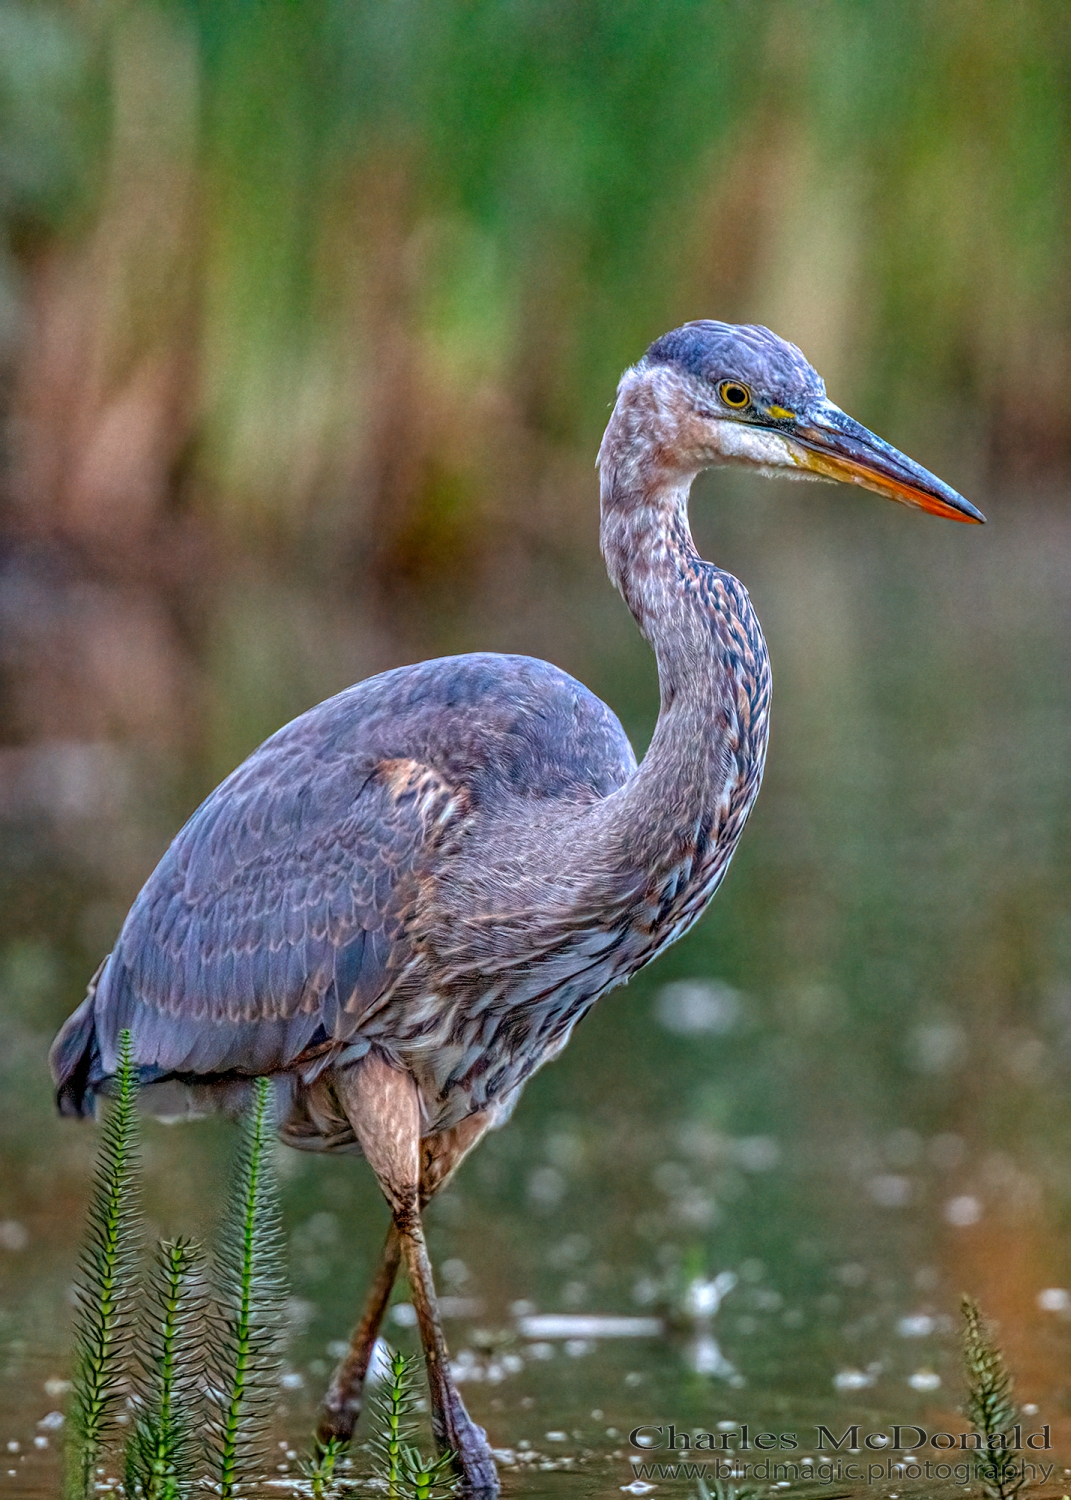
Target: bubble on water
point(13, 1235)
point(915, 1326)
point(757, 1153)
point(938, 1046)
point(1054, 1299)
point(704, 1297)
point(963, 1211)
point(891, 1190)
point(546, 1187)
point(694, 1007)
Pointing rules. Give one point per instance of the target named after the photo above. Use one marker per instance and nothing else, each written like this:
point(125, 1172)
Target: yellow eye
point(734, 394)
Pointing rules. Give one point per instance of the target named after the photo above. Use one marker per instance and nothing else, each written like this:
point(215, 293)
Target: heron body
point(400, 905)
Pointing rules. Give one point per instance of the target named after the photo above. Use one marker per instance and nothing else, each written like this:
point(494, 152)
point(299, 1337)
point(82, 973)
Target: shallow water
point(844, 1094)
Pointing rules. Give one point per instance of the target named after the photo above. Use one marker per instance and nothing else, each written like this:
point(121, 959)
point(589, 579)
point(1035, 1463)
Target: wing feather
point(275, 920)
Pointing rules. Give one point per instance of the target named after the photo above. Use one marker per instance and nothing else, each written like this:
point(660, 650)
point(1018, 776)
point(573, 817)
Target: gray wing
point(279, 913)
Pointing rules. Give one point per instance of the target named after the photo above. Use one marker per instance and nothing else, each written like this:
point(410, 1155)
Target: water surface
point(844, 1094)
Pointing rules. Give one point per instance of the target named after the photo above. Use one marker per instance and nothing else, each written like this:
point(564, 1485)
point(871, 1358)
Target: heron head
point(738, 394)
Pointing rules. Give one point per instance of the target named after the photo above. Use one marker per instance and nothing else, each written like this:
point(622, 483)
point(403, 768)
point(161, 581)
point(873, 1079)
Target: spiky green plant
point(990, 1405)
point(398, 1463)
point(319, 1470)
point(249, 1297)
point(105, 1285)
point(161, 1452)
point(393, 1406)
point(427, 1479)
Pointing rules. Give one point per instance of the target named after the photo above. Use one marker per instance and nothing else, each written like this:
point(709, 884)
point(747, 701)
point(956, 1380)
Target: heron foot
point(468, 1443)
point(337, 1422)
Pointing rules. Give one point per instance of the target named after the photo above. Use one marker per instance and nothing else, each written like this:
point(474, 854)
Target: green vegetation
point(250, 1295)
point(161, 1453)
point(990, 1406)
point(363, 215)
point(106, 1287)
point(407, 1474)
point(145, 1345)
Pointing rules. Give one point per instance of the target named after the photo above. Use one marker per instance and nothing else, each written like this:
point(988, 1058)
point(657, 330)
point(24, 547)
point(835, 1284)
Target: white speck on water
point(404, 1314)
point(13, 1235)
point(292, 1380)
point(963, 1211)
point(52, 1421)
point(703, 1297)
point(555, 1437)
point(576, 1347)
point(707, 1358)
point(915, 1326)
point(694, 1007)
point(924, 1380)
point(546, 1187)
point(1054, 1299)
point(757, 1153)
point(637, 1487)
point(588, 1326)
point(852, 1380)
point(891, 1190)
point(40, 1442)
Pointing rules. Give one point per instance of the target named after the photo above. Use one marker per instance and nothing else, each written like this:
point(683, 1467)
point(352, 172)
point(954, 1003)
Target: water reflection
point(758, 1180)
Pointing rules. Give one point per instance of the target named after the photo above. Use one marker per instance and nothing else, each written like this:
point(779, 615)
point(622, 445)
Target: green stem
point(104, 1286)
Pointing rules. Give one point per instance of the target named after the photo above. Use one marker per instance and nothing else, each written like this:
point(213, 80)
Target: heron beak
point(836, 446)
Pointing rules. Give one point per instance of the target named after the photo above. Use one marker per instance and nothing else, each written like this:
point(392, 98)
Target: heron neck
point(702, 770)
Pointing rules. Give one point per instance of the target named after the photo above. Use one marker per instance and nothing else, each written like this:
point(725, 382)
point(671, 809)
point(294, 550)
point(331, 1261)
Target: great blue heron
point(402, 903)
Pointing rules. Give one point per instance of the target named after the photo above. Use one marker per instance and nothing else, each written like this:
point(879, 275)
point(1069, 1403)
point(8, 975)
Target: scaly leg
point(440, 1157)
point(342, 1404)
point(383, 1106)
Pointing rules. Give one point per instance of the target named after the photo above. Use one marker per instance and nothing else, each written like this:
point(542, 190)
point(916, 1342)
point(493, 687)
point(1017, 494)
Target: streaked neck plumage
point(702, 772)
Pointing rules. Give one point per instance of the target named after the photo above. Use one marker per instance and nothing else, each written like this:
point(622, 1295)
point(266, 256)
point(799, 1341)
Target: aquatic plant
point(161, 1452)
point(106, 1286)
point(398, 1465)
point(250, 1292)
point(407, 1474)
point(319, 1470)
point(990, 1406)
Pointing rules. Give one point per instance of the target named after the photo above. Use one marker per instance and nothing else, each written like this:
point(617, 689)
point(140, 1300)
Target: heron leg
point(342, 1403)
point(440, 1156)
point(383, 1107)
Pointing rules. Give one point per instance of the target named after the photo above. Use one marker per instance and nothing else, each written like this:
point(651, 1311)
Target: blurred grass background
point(326, 274)
point(311, 313)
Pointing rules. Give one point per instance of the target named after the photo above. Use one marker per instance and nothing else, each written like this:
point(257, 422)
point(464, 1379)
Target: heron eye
point(734, 394)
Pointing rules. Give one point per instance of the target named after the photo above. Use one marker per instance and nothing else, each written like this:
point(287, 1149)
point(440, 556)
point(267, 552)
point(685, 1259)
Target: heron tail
point(74, 1056)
